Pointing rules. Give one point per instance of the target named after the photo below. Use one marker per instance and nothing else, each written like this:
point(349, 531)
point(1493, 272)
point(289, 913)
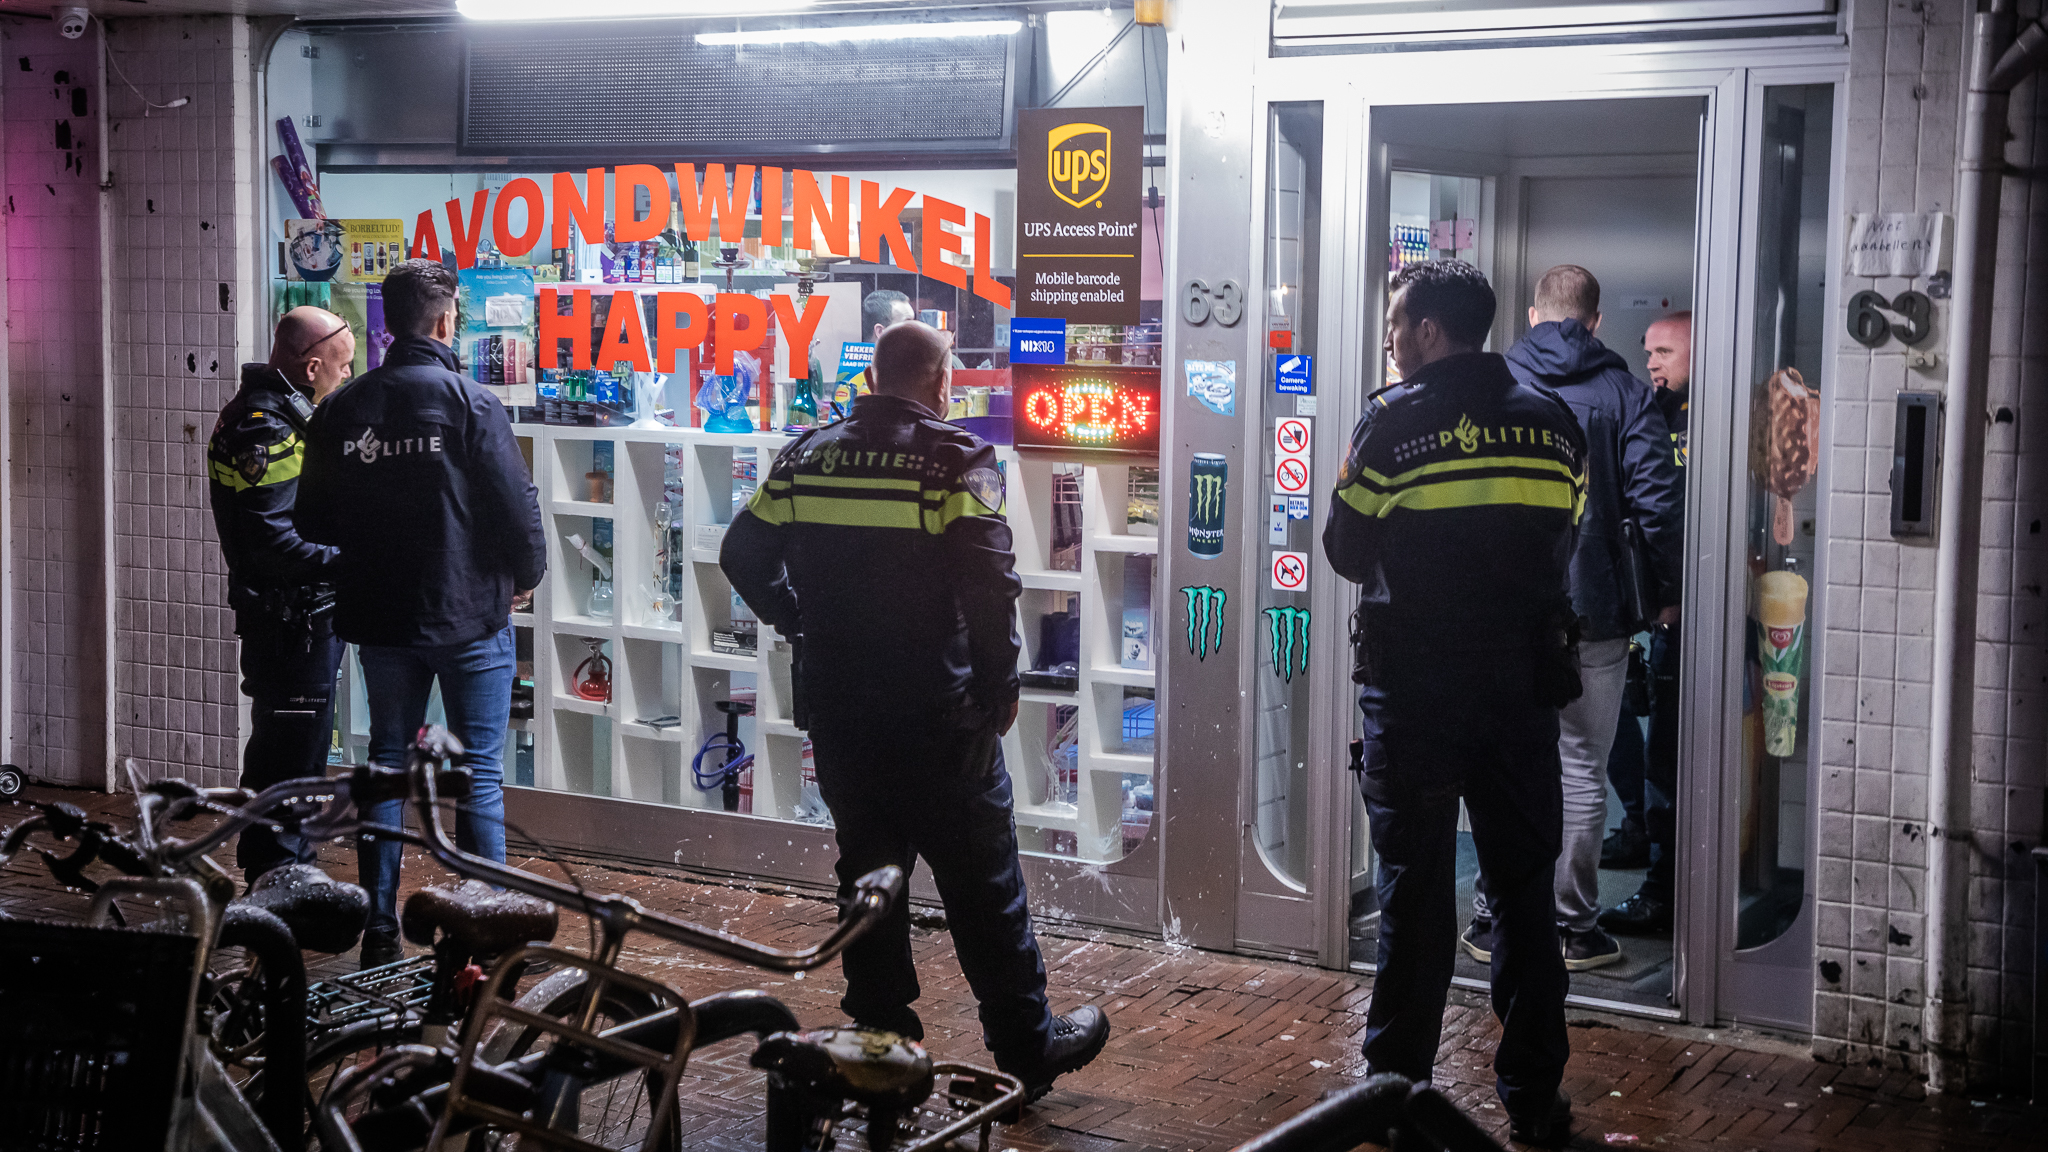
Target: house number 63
point(1198, 302)
point(1870, 327)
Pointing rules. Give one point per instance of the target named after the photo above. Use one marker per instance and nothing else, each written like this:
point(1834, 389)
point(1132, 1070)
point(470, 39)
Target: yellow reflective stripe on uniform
point(1537, 463)
point(770, 503)
point(1476, 492)
point(287, 458)
point(951, 506)
point(854, 512)
point(880, 482)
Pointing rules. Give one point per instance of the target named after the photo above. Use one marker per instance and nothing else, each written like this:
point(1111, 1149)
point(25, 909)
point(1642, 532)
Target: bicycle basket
point(97, 1021)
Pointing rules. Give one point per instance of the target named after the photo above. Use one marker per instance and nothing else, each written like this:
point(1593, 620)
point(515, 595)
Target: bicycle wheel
point(613, 1113)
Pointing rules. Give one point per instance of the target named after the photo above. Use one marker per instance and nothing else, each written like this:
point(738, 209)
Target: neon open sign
point(1105, 407)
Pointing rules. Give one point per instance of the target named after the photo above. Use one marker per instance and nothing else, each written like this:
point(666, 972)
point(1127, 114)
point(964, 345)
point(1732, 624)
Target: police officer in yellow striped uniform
point(277, 580)
point(1456, 512)
point(878, 543)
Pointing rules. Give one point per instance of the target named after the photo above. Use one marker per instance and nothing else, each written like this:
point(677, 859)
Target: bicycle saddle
point(477, 918)
point(324, 914)
point(878, 1069)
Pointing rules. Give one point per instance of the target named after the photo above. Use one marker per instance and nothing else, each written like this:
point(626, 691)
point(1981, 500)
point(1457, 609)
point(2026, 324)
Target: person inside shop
point(277, 579)
point(878, 545)
point(880, 310)
point(1629, 477)
point(1647, 912)
point(1455, 511)
point(412, 470)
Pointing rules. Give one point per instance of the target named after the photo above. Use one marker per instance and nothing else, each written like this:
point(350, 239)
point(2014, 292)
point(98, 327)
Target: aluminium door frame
point(1726, 75)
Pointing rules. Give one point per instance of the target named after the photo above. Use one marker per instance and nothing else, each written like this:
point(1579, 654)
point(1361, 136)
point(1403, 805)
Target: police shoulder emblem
point(252, 463)
point(986, 485)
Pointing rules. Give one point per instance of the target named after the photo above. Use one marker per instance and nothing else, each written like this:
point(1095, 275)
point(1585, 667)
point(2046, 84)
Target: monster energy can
point(1208, 494)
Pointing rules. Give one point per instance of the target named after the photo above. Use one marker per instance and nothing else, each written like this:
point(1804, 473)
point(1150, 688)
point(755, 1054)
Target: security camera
point(71, 21)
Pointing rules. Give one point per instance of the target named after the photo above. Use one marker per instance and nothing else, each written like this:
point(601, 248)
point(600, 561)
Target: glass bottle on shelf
point(600, 597)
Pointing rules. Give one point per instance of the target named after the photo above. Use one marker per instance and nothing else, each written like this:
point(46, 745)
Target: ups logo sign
point(1077, 163)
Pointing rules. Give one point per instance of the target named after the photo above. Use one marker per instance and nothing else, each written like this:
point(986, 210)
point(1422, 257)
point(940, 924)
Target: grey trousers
point(1585, 736)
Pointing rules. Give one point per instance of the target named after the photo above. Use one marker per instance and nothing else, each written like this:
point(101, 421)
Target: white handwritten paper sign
point(1898, 243)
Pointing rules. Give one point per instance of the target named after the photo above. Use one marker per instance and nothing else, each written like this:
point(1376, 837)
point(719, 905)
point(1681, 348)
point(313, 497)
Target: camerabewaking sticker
point(1205, 619)
point(1208, 496)
point(1289, 628)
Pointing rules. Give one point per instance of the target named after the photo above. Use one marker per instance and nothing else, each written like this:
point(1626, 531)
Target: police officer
point(1455, 511)
point(277, 581)
point(880, 542)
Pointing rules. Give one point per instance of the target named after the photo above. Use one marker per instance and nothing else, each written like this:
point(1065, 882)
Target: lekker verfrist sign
point(1078, 201)
point(821, 219)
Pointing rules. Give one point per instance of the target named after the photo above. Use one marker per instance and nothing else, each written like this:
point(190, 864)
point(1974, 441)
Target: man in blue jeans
point(413, 472)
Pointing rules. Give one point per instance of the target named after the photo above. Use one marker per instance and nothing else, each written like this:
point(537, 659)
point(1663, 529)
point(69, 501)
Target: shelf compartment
point(583, 754)
point(580, 508)
point(648, 769)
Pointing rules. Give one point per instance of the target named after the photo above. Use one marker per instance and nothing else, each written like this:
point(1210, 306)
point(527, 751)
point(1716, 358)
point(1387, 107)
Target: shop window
point(1781, 508)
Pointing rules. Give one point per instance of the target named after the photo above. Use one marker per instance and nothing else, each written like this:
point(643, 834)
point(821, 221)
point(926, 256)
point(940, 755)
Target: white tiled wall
point(52, 229)
point(184, 318)
point(1908, 58)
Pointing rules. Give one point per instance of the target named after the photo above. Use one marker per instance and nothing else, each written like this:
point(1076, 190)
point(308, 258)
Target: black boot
point(1076, 1039)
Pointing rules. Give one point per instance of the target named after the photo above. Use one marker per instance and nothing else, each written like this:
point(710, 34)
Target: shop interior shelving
point(664, 666)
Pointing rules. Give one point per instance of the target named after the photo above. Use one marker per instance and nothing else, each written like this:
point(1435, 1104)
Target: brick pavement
point(1210, 1049)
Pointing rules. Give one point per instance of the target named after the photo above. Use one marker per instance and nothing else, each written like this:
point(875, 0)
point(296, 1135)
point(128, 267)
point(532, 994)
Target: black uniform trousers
point(900, 788)
point(288, 674)
point(1660, 767)
point(1439, 725)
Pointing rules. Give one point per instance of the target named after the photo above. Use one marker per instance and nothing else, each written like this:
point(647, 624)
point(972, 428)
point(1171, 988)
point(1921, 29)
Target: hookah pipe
point(727, 776)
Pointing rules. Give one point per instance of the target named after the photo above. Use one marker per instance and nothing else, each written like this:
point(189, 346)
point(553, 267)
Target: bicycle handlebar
point(873, 896)
point(340, 799)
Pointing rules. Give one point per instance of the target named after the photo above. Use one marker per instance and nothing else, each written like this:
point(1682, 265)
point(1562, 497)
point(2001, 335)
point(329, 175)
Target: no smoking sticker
point(1291, 436)
point(1290, 476)
point(1290, 571)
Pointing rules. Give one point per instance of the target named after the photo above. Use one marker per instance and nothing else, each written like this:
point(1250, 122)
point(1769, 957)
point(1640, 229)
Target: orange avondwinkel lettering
point(465, 238)
point(627, 180)
point(426, 240)
point(883, 220)
point(586, 208)
point(520, 243)
point(986, 285)
point(729, 202)
point(938, 241)
point(833, 225)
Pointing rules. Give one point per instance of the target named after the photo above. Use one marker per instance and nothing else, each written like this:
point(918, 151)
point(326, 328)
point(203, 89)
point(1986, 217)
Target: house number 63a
point(1225, 302)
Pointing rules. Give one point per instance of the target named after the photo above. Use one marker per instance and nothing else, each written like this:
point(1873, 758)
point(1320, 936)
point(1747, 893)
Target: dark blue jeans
point(907, 789)
point(1660, 767)
point(288, 675)
point(1625, 767)
point(1438, 727)
point(476, 693)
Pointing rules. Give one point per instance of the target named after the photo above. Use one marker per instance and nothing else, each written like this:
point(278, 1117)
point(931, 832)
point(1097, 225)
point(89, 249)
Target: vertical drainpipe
point(108, 569)
point(1994, 70)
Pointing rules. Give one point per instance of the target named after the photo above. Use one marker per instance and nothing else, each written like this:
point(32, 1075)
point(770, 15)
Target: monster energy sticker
point(1205, 619)
point(1208, 496)
point(1289, 628)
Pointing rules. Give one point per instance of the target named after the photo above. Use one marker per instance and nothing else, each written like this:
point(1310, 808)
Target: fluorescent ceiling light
point(854, 33)
point(598, 9)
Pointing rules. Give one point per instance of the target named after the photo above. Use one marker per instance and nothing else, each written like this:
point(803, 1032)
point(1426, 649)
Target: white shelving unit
point(664, 667)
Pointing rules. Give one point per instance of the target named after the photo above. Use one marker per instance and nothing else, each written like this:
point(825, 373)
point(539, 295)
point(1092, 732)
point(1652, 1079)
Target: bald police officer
point(879, 544)
point(277, 581)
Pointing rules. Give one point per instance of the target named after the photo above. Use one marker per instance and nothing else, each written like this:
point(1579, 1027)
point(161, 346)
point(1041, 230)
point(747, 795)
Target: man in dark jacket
point(1454, 512)
point(277, 580)
point(1629, 476)
point(1648, 911)
point(879, 545)
point(414, 472)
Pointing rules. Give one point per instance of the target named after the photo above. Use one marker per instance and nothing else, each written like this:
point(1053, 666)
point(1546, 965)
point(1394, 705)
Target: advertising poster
point(343, 251)
point(1079, 195)
point(496, 331)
